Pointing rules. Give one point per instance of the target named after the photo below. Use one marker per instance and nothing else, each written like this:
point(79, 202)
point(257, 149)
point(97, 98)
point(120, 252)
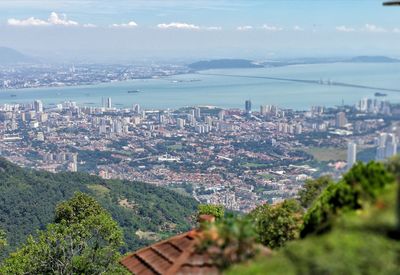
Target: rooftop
point(176, 255)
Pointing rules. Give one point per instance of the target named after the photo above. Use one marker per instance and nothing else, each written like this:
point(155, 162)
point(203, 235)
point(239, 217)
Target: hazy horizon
point(124, 31)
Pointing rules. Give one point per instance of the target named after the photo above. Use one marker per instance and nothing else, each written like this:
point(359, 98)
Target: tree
point(77, 209)
point(208, 209)
point(393, 165)
point(361, 185)
point(312, 189)
point(83, 240)
point(3, 240)
point(277, 224)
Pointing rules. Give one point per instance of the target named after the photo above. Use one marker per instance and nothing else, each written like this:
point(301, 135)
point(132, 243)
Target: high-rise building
point(387, 146)
point(197, 113)
point(341, 120)
point(351, 154)
point(221, 115)
point(247, 106)
point(38, 106)
point(391, 146)
point(263, 110)
point(109, 104)
point(181, 123)
point(161, 118)
point(209, 120)
point(298, 129)
point(136, 108)
point(191, 119)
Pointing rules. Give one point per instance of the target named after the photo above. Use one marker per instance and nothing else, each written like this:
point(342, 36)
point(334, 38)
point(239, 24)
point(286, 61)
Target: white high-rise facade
point(351, 154)
point(387, 146)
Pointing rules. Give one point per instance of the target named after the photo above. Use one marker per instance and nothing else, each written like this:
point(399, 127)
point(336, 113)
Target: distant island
point(224, 64)
point(372, 59)
point(245, 63)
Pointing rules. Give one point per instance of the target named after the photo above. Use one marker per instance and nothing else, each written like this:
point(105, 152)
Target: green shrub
point(277, 224)
point(208, 209)
point(360, 185)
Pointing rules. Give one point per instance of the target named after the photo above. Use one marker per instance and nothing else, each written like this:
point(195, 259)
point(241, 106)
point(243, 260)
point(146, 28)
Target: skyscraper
point(391, 146)
point(381, 142)
point(109, 104)
point(181, 123)
point(387, 146)
point(221, 115)
point(247, 106)
point(263, 110)
point(351, 154)
point(38, 105)
point(136, 108)
point(341, 120)
point(197, 113)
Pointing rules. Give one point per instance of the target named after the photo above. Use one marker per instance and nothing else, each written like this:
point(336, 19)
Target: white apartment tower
point(351, 154)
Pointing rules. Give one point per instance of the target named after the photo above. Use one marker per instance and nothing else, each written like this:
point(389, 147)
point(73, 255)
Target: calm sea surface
point(230, 92)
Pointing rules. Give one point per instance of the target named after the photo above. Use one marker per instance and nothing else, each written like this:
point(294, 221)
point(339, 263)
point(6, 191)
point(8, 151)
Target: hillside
point(146, 213)
point(224, 64)
point(10, 56)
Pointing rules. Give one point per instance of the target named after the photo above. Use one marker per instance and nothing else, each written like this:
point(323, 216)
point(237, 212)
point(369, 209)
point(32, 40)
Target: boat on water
point(380, 94)
point(13, 95)
point(134, 91)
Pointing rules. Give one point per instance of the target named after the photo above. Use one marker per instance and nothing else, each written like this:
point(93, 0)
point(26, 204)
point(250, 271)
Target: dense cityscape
point(50, 75)
point(237, 158)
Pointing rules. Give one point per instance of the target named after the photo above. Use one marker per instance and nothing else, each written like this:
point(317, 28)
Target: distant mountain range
point(244, 63)
point(224, 64)
point(11, 56)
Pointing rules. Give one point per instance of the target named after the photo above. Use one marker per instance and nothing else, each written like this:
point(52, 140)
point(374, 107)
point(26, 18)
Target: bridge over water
point(316, 82)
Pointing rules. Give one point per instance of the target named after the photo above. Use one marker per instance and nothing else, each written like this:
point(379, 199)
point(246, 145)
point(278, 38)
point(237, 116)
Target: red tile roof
point(176, 255)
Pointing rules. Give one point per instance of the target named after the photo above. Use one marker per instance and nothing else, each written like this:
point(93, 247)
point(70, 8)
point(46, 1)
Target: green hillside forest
point(145, 213)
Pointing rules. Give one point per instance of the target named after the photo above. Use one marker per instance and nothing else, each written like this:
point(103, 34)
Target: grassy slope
point(28, 199)
point(358, 244)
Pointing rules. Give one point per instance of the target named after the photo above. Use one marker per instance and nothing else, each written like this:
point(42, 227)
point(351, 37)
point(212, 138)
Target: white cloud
point(214, 28)
point(244, 28)
point(54, 19)
point(373, 28)
point(271, 28)
point(298, 28)
point(396, 30)
point(89, 26)
point(344, 29)
point(130, 24)
point(31, 21)
point(178, 25)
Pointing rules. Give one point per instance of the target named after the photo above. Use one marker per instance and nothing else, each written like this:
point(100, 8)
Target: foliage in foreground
point(278, 227)
point(277, 224)
point(84, 239)
point(362, 184)
point(312, 189)
point(359, 243)
point(227, 241)
point(214, 210)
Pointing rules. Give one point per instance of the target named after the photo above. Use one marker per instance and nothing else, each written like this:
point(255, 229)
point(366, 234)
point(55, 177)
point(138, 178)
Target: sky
point(129, 30)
